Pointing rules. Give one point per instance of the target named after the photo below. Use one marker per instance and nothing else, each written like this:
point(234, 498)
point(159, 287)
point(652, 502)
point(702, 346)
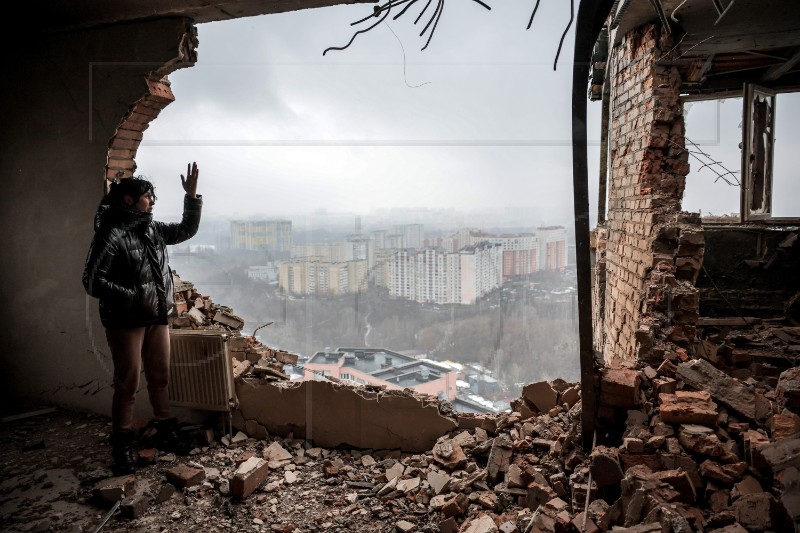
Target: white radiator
point(201, 374)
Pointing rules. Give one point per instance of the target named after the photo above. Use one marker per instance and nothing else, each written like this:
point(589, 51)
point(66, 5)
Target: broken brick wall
point(599, 238)
point(653, 251)
point(750, 270)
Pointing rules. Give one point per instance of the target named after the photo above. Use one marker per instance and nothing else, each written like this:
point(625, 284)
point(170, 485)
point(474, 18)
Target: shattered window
point(713, 134)
point(786, 164)
point(743, 156)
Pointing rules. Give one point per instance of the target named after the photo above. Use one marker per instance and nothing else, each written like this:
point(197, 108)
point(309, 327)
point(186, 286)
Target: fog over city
point(473, 132)
point(478, 121)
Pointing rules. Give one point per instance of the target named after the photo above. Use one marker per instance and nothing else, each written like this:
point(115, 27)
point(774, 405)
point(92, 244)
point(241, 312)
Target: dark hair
point(135, 187)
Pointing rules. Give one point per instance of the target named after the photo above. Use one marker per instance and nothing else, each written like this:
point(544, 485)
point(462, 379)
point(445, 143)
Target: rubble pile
point(195, 311)
point(696, 444)
point(491, 474)
point(681, 448)
point(700, 449)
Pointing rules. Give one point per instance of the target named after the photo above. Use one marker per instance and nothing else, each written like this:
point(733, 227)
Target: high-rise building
point(360, 248)
point(323, 278)
point(480, 270)
point(552, 247)
point(273, 236)
point(402, 279)
point(379, 239)
point(435, 276)
point(430, 274)
point(519, 252)
point(413, 235)
point(380, 271)
point(330, 252)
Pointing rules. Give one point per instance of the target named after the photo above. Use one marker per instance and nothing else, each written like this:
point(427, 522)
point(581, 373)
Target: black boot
point(122, 453)
point(169, 439)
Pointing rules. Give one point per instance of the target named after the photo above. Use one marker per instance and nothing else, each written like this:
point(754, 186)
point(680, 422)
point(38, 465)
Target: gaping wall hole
point(463, 139)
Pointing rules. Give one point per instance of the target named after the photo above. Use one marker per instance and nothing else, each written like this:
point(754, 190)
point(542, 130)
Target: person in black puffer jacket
point(127, 269)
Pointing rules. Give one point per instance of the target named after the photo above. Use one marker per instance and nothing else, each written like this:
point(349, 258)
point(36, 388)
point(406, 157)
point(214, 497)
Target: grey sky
point(715, 126)
point(278, 129)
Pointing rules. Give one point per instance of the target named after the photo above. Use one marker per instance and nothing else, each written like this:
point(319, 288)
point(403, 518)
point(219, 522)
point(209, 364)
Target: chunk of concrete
point(499, 457)
point(455, 505)
point(113, 489)
point(408, 485)
point(788, 390)
point(777, 455)
point(335, 415)
point(482, 524)
point(438, 481)
point(277, 455)
point(135, 504)
point(449, 454)
point(758, 512)
point(605, 466)
point(540, 395)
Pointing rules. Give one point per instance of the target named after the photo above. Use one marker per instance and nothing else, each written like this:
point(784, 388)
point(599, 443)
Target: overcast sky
point(479, 120)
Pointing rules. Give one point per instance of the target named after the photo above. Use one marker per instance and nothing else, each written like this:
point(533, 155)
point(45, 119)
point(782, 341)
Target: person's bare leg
point(155, 355)
point(126, 352)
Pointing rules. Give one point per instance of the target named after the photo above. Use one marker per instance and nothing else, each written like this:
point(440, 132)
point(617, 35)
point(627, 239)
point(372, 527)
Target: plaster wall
point(63, 99)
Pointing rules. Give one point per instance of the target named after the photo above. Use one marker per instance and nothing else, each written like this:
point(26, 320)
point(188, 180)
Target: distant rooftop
point(469, 405)
point(401, 370)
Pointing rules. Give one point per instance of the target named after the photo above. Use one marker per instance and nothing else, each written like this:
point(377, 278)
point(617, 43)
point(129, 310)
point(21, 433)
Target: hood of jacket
point(116, 215)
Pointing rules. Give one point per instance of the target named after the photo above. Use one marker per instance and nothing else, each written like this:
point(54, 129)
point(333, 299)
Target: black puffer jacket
point(127, 266)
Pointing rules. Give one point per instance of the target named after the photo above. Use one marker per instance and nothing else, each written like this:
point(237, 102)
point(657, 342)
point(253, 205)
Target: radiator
point(201, 374)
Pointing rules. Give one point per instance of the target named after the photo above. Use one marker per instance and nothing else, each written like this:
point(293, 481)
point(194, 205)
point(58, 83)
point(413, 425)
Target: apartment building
point(273, 236)
point(520, 252)
point(322, 278)
point(402, 270)
point(479, 271)
point(430, 275)
point(552, 247)
point(412, 235)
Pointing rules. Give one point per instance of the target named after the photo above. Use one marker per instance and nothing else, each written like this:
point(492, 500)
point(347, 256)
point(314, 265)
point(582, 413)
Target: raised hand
point(190, 181)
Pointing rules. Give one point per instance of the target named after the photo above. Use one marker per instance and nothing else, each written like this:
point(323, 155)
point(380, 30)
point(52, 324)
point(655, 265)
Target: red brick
point(248, 477)
point(183, 476)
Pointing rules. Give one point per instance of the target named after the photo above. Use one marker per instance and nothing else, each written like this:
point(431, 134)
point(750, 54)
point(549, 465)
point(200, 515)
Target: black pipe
point(601, 191)
point(591, 16)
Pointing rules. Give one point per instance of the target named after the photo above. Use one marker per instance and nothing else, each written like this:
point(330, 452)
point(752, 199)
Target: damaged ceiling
point(55, 16)
point(723, 43)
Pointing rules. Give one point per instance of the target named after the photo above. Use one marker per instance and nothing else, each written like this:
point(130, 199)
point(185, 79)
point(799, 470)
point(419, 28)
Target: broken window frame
point(755, 190)
point(758, 141)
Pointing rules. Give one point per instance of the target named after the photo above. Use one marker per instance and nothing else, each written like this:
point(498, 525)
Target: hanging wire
point(385, 8)
point(566, 30)
point(563, 35)
point(535, 8)
point(403, 48)
point(709, 163)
